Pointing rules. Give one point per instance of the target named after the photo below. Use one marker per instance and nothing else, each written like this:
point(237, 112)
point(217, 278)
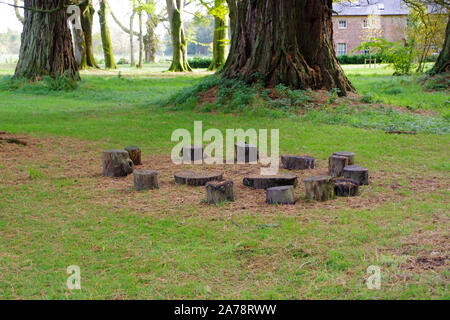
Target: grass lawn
point(56, 209)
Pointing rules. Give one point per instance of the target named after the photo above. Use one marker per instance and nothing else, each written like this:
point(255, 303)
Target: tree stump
point(245, 153)
point(265, 182)
point(280, 195)
point(146, 180)
point(357, 173)
point(192, 153)
point(117, 163)
point(336, 165)
point(346, 187)
point(349, 155)
point(298, 162)
point(135, 154)
point(197, 178)
point(219, 191)
point(319, 188)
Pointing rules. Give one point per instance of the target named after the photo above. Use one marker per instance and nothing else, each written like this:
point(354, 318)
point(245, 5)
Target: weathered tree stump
point(146, 180)
point(349, 155)
point(336, 165)
point(298, 162)
point(197, 178)
point(219, 191)
point(135, 154)
point(346, 187)
point(245, 153)
point(192, 153)
point(265, 182)
point(357, 173)
point(319, 188)
point(117, 163)
point(280, 195)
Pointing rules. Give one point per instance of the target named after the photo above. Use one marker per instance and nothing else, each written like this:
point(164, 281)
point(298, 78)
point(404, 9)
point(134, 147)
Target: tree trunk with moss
point(219, 43)
point(132, 60)
point(286, 42)
point(87, 18)
point(106, 37)
point(46, 48)
point(150, 40)
point(443, 62)
point(179, 42)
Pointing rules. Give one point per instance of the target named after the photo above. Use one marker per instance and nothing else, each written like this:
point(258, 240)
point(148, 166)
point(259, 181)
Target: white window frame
point(343, 22)
point(365, 24)
point(339, 51)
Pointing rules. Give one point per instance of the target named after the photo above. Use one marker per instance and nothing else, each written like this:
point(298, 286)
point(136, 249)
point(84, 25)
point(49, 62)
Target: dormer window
point(342, 24)
point(381, 6)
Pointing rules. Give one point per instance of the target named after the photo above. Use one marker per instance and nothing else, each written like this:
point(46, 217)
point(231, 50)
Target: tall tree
point(179, 43)
point(106, 37)
point(288, 42)
point(219, 10)
point(17, 12)
point(46, 48)
point(87, 19)
point(129, 30)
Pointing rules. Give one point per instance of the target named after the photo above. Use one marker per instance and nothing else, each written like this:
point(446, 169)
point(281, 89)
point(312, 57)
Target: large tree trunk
point(46, 48)
point(179, 42)
point(79, 49)
point(232, 6)
point(106, 37)
point(288, 42)
point(219, 42)
point(443, 62)
point(87, 18)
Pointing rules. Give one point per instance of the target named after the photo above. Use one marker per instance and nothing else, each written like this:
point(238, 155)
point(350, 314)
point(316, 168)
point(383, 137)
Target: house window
point(342, 49)
point(342, 24)
point(365, 24)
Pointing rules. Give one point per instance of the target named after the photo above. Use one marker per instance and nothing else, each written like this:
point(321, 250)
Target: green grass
point(131, 246)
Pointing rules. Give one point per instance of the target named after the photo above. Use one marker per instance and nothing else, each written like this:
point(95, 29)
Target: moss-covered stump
point(336, 165)
point(265, 182)
point(280, 195)
point(192, 153)
point(298, 162)
point(357, 173)
point(117, 163)
point(197, 178)
point(135, 154)
point(349, 155)
point(219, 191)
point(146, 180)
point(245, 153)
point(346, 187)
point(319, 188)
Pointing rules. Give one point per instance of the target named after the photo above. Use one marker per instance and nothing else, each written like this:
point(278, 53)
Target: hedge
point(199, 62)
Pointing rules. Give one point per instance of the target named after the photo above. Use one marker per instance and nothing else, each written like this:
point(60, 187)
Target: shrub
point(123, 61)
point(359, 59)
point(60, 83)
point(200, 62)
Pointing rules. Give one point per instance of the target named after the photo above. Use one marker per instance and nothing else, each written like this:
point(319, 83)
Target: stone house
point(357, 21)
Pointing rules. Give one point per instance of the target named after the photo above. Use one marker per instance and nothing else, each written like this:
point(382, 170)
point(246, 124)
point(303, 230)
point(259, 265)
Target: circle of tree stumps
point(298, 162)
point(146, 180)
point(319, 188)
point(357, 173)
point(280, 195)
point(117, 163)
point(219, 191)
point(197, 178)
point(346, 188)
point(135, 154)
point(265, 182)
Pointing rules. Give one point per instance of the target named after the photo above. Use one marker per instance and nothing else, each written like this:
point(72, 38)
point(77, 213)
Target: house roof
point(370, 7)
